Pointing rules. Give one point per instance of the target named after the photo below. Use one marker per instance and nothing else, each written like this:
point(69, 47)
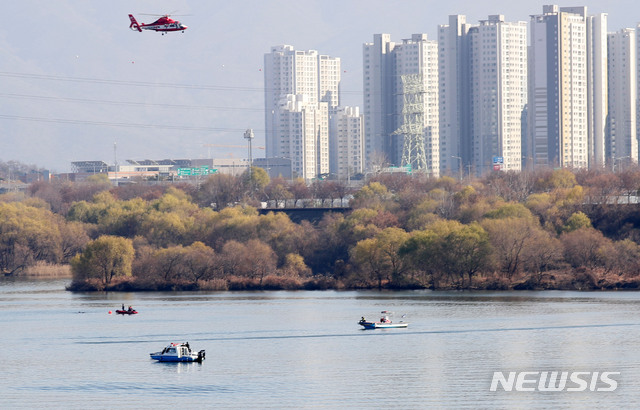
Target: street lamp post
point(248, 135)
point(616, 160)
point(459, 166)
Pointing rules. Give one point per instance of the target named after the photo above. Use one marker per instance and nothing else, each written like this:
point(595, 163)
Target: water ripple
point(368, 333)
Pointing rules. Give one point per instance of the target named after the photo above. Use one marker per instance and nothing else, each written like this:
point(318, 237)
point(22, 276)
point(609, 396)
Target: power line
point(127, 83)
point(130, 103)
point(120, 124)
point(141, 83)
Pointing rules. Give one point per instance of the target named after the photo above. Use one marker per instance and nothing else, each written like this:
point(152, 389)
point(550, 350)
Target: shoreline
point(565, 281)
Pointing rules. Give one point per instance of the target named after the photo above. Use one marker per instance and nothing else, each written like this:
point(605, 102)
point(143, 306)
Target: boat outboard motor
point(201, 355)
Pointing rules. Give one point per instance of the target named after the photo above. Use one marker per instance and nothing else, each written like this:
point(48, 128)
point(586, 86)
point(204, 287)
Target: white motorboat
point(384, 323)
point(178, 352)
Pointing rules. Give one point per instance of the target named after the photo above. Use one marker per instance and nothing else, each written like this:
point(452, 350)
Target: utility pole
point(115, 162)
point(459, 166)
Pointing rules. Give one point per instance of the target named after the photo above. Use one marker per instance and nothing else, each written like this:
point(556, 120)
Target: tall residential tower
point(301, 91)
point(455, 96)
point(498, 93)
point(567, 98)
point(398, 114)
point(622, 138)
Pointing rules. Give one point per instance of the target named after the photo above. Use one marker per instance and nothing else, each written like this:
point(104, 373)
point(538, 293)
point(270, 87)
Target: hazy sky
point(74, 79)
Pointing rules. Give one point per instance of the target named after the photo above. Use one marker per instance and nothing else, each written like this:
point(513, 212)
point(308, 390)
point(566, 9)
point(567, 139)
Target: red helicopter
point(164, 24)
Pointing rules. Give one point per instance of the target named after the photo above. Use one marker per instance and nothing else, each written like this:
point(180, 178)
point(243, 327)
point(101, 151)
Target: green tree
point(237, 223)
point(422, 252)
point(255, 180)
point(169, 220)
point(99, 179)
point(559, 178)
point(372, 195)
point(104, 258)
point(451, 249)
point(294, 266)
point(576, 221)
point(380, 255)
point(510, 210)
point(466, 249)
point(27, 235)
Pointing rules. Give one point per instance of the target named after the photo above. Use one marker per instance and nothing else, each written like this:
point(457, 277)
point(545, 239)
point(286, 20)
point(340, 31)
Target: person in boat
point(130, 309)
point(362, 319)
point(123, 306)
point(187, 346)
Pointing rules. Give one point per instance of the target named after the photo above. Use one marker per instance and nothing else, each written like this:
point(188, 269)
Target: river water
point(305, 349)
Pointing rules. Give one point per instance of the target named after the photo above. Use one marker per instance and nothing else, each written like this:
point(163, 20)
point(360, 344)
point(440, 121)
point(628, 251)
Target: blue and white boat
point(178, 352)
point(384, 323)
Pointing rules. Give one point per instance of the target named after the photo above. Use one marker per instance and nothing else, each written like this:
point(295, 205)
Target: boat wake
point(363, 333)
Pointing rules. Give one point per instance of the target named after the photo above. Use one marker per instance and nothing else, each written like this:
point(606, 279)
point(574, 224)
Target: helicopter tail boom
point(134, 24)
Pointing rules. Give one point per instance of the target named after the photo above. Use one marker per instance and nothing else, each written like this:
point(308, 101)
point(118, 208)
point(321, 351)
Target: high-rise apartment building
point(498, 65)
point(558, 94)
point(388, 68)
point(303, 130)
point(455, 96)
point(379, 101)
point(622, 137)
point(638, 79)
point(301, 89)
point(346, 142)
point(597, 88)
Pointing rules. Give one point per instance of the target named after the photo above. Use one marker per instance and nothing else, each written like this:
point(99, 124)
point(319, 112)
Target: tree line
point(548, 229)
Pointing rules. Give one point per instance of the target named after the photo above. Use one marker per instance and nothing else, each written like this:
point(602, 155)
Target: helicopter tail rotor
point(134, 24)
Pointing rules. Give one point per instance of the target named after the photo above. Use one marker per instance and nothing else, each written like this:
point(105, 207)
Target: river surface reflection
point(305, 349)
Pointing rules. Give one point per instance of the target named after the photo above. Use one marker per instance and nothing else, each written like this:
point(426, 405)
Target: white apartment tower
point(597, 91)
point(384, 65)
point(418, 57)
point(622, 138)
point(455, 96)
point(498, 52)
point(638, 79)
point(346, 142)
point(303, 128)
point(558, 108)
point(378, 89)
point(300, 86)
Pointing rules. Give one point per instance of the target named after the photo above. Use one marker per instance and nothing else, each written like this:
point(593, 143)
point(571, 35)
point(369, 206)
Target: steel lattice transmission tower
point(412, 128)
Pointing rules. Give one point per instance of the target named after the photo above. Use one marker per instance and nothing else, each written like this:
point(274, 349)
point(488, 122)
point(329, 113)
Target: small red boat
point(127, 312)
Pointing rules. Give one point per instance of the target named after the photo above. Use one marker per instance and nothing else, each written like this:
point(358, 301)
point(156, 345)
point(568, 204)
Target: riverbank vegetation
point(553, 229)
